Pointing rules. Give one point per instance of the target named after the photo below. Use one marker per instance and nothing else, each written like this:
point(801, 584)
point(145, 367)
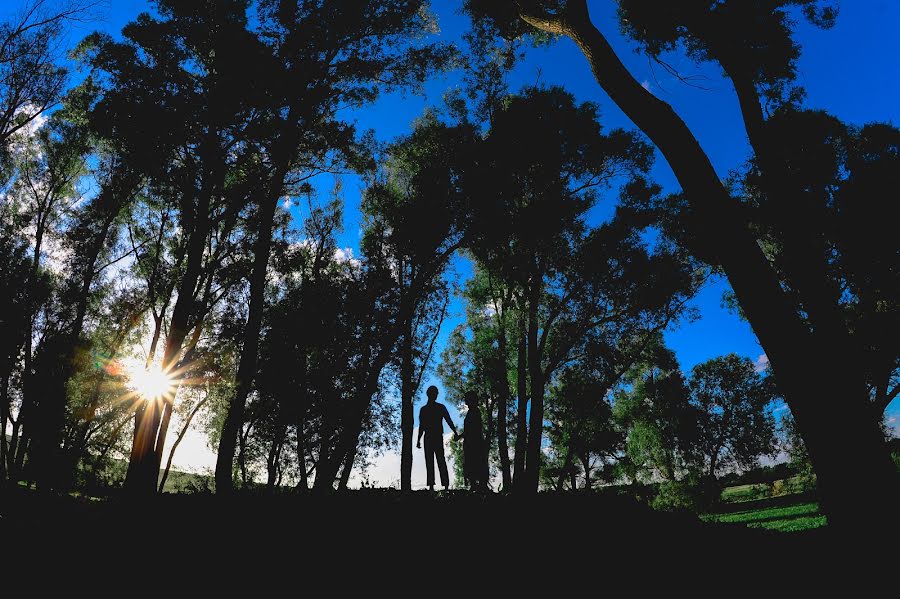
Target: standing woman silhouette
point(475, 463)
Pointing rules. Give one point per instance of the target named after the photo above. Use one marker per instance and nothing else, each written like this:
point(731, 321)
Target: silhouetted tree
point(32, 78)
point(581, 429)
point(416, 212)
point(800, 339)
point(545, 160)
point(358, 51)
point(660, 424)
point(734, 406)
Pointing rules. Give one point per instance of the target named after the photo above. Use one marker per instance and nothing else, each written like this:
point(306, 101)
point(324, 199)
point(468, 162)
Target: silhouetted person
point(475, 465)
point(431, 424)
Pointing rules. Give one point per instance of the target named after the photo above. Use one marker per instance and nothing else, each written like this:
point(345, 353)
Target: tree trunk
point(503, 397)
point(46, 428)
point(181, 434)
point(301, 451)
point(586, 464)
point(242, 455)
point(250, 348)
point(348, 469)
point(406, 407)
point(143, 472)
point(12, 451)
point(4, 411)
point(565, 470)
point(536, 411)
point(330, 460)
point(183, 370)
point(143, 407)
point(22, 444)
point(522, 406)
point(274, 459)
point(797, 360)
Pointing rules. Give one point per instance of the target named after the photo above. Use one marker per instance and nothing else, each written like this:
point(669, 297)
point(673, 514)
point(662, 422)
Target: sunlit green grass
point(792, 518)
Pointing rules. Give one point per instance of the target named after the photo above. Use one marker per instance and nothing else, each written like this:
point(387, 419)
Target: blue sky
point(851, 71)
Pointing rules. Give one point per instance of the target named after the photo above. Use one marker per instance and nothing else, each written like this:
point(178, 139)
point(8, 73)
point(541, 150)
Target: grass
point(745, 492)
point(755, 507)
point(791, 518)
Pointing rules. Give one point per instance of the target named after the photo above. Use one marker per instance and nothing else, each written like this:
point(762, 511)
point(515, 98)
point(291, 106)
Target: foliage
point(736, 421)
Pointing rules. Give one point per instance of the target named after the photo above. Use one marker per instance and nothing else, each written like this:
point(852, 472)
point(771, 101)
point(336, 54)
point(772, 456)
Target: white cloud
point(762, 362)
point(345, 255)
point(21, 137)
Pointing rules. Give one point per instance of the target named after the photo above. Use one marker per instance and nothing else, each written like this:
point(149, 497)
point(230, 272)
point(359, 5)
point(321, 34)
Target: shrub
point(692, 493)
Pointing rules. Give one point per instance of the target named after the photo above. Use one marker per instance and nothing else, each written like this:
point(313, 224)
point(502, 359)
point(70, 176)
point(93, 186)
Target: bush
point(692, 493)
point(97, 476)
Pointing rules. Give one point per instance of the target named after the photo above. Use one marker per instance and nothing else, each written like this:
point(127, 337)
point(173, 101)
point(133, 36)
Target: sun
point(150, 383)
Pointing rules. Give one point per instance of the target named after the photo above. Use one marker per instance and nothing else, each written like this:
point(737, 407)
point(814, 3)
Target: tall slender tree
point(359, 51)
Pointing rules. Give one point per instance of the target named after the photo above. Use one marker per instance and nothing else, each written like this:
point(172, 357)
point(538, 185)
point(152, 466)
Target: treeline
point(144, 228)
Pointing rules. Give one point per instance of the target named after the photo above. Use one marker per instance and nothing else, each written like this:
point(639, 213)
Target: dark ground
point(452, 540)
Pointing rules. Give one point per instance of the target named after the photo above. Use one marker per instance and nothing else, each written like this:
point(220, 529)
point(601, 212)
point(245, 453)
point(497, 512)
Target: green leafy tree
point(799, 327)
point(541, 175)
point(661, 425)
point(581, 430)
point(734, 404)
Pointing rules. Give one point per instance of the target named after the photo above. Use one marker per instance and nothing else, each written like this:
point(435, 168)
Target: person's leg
point(429, 463)
point(442, 464)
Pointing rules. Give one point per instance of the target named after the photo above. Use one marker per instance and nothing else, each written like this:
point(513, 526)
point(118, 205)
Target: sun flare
point(150, 383)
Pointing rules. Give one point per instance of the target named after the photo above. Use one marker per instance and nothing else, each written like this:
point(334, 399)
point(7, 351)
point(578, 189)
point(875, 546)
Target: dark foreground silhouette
point(591, 536)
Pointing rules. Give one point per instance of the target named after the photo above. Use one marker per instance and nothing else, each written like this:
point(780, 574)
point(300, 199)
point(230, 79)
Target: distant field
point(756, 507)
point(179, 482)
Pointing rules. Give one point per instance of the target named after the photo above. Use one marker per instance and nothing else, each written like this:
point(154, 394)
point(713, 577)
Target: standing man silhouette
point(431, 424)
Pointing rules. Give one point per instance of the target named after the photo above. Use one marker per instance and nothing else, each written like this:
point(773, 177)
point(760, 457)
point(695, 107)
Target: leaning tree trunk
point(169, 401)
point(181, 434)
point(143, 472)
point(47, 432)
point(798, 360)
point(273, 462)
point(250, 348)
point(348, 469)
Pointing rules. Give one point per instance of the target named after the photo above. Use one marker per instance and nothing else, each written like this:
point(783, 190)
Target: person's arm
point(421, 430)
point(450, 422)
